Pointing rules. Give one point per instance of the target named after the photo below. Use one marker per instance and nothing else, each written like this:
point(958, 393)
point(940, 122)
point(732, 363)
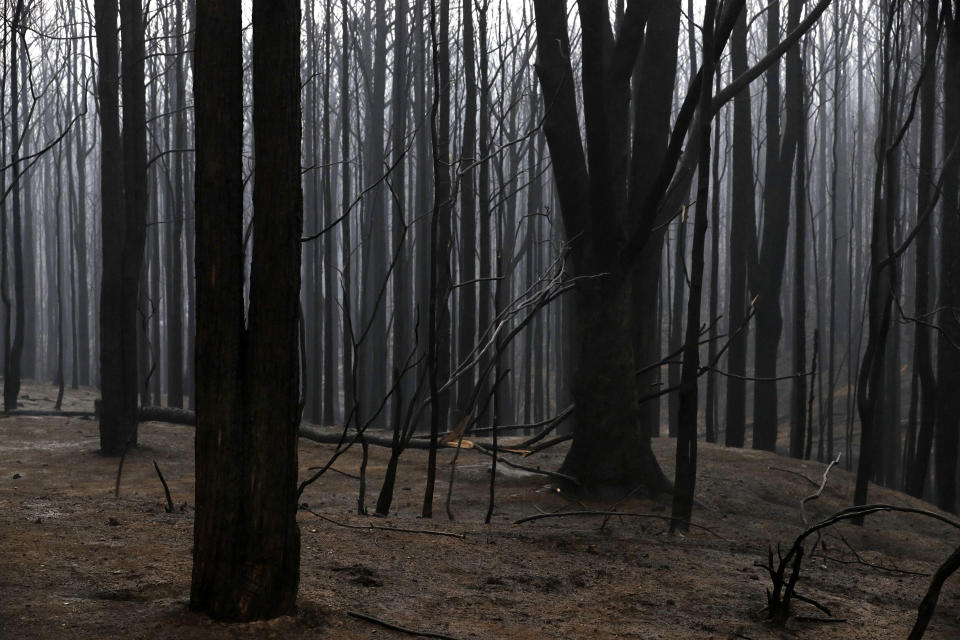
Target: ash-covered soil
point(79, 563)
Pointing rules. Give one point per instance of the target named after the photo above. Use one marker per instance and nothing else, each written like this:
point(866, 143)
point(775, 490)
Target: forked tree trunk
point(246, 540)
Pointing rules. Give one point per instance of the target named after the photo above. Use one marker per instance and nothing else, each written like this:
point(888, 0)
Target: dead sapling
point(166, 489)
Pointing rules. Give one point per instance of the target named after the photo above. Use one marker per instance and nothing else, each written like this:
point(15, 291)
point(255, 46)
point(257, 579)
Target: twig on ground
point(166, 489)
point(394, 627)
point(549, 443)
point(608, 514)
point(858, 559)
point(552, 474)
point(818, 619)
point(335, 470)
point(446, 534)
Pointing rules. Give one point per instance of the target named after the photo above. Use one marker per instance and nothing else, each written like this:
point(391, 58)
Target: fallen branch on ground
point(31, 413)
point(445, 534)
point(394, 627)
point(551, 474)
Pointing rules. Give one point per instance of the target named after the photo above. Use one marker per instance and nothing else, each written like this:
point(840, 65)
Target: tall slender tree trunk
point(918, 466)
point(175, 389)
point(686, 456)
point(346, 193)
point(12, 363)
point(948, 356)
point(440, 243)
point(467, 323)
point(781, 152)
point(743, 242)
point(798, 389)
point(373, 224)
point(117, 430)
point(871, 387)
point(329, 272)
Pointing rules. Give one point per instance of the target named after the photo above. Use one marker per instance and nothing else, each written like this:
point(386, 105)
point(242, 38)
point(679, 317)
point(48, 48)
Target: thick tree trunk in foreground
point(609, 453)
point(221, 441)
point(272, 368)
point(246, 541)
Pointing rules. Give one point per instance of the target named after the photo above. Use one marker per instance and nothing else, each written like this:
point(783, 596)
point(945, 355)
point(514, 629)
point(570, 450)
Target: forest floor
point(77, 562)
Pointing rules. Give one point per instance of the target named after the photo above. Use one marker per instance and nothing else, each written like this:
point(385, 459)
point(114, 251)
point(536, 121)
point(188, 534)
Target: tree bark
point(918, 467)
point(12, 363)
point(948, 355)
point(743, 242)
point(246, 540)
point(118, 361)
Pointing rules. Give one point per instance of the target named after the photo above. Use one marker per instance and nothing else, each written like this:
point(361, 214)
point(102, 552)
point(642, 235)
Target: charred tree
point(246, 540)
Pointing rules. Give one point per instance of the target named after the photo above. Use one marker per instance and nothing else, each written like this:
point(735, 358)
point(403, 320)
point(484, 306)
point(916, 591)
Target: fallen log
point(308, 432)
point(48, 412)
point(168, 414)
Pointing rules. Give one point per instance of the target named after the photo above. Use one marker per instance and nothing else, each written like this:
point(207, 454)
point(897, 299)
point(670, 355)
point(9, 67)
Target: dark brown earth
point(79, 563)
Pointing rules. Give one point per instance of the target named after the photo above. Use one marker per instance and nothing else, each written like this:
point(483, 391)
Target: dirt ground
point(77, 562)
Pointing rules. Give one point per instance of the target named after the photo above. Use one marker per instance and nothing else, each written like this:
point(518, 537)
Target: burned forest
point(480, 319)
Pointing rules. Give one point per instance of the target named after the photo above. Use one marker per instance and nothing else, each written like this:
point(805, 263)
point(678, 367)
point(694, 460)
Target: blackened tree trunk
point(781, 151)
point(743, 242)
point(11, 372)
point(346, 193)
point(329, 273)
point(373, 368)
point(440, 244)
point(919, 466)
point(118, 361)
point(686, 456)
point(221, 439)
point(174, 278)
point(82, 312)
point(948, 356)
point(798, 387)
point(246, 541)
point(135, 197)
point(607, 236)
point(711, 426)
point(467, 325)
point(870, 387)
point(272, 373)
point(655, 75)
point(483, 192)
point(401, 278)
